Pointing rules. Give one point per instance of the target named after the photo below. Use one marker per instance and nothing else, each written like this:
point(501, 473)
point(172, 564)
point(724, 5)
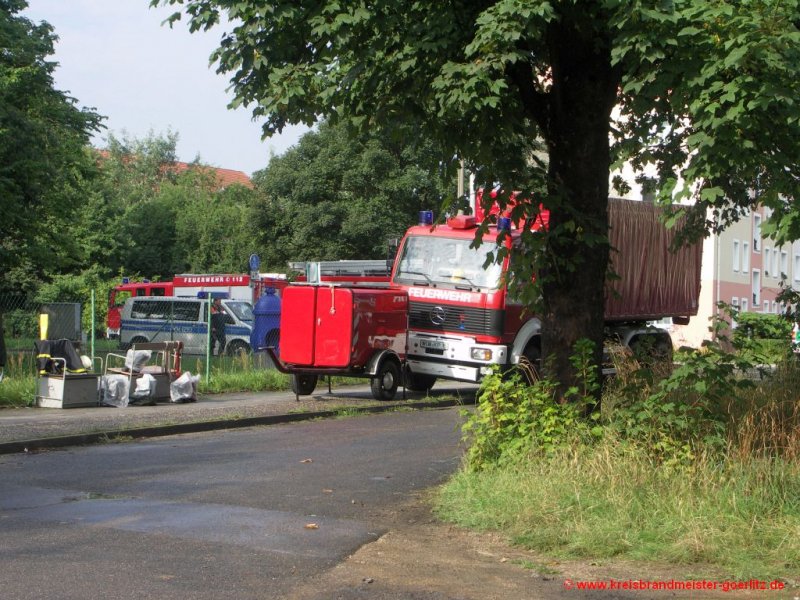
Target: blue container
point(266, 327)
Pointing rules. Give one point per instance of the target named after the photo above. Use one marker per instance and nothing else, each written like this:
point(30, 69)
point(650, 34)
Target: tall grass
point(237, 374)
point(18, 387)
point(610, 500)
point(695, 466)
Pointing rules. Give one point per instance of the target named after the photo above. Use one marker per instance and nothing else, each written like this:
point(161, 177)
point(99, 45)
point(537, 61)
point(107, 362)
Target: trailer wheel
point(237, 347)
point(303, 384)
point(419, 382)
point(384, 384)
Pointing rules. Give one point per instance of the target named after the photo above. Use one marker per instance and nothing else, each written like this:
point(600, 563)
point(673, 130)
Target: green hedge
point(764, 326)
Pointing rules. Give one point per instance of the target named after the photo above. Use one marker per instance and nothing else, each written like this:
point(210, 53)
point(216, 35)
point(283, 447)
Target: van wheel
point(236, 347)
point(384, 384)
point(303, 384)
point(418, 382)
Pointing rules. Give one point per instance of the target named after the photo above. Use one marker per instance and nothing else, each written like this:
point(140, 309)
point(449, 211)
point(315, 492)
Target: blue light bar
point(126, 280)
point(503, 224)
point(426, 217)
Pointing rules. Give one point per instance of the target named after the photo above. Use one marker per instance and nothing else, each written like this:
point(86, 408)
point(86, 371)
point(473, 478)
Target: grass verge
point(607, 500)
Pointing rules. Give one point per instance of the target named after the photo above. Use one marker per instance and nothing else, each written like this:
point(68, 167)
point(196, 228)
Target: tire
point(303, 384)
point(384, 384)
point(652, 350)
point(236, 347)
point(418, 382)
point(530, 363)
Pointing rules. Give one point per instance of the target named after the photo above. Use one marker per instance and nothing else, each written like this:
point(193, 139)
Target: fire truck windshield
point(446, 262)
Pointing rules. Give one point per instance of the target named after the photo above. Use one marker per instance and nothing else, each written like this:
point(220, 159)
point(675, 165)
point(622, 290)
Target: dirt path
point(423, 559)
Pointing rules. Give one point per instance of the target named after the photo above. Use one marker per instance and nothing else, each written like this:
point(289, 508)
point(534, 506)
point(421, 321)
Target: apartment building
point(743, 269)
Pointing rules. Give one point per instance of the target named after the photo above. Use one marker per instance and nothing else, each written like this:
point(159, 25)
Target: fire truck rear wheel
point(418, 382)
point(384, 384)
point(303, 384)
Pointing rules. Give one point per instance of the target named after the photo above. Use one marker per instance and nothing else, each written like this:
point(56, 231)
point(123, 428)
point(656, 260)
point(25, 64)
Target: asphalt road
point(247, 513)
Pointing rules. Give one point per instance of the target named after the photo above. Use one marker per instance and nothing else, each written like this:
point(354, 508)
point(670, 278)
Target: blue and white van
point(165, 318)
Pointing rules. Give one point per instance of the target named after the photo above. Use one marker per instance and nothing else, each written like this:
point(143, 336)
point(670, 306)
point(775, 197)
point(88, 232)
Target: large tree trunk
point(577, 131)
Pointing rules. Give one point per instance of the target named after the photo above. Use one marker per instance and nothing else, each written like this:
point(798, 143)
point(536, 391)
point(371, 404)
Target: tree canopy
point(143, 216)
point(334, 196)
point(43, 143)
point(705, 93)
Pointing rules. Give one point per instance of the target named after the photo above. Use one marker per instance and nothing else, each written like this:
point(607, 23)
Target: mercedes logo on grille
point(437, 315)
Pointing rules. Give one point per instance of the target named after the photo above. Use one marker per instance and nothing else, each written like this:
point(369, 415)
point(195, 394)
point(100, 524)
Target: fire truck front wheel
point(303, 384)
point(419, 382)
point(384, 384)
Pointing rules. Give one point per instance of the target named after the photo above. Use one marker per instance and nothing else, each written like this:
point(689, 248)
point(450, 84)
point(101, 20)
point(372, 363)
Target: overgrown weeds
point(693, 464)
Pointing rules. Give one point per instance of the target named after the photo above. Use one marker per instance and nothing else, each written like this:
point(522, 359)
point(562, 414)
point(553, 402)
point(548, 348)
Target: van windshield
point(446, 262)
point(242, 310)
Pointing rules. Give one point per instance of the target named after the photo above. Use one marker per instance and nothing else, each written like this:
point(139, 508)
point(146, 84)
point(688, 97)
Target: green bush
point(512, 420)
point(751, 325)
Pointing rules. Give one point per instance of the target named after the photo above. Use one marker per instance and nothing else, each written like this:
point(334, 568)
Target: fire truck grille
point(455, 319)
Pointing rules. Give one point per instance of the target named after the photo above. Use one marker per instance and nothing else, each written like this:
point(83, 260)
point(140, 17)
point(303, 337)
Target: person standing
point(217, 325)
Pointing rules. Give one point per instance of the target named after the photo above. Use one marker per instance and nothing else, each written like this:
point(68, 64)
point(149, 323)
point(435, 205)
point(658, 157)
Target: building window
point(767, 257)
point(756, 233)
point(745, 257)
point(756, 287)
point(796, 269)
point(774, 263)
point(744, 305)
point(736, 257)
point(784, 265)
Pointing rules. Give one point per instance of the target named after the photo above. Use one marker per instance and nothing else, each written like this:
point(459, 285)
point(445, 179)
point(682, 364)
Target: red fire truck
point(235, 286)
point(460, 320)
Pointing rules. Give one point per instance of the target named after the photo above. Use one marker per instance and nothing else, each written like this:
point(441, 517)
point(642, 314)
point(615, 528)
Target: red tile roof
point(224, 177)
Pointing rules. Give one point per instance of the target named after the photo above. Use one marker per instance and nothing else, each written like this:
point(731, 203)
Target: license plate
point(433, 344)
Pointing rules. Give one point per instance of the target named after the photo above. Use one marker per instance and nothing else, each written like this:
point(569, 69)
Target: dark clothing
point(47, 350)
point(217, 328)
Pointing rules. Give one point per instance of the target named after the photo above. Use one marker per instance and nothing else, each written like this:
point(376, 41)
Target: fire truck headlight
point(481, 354)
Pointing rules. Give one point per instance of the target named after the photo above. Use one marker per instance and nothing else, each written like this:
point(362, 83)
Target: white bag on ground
point(145, 390)
point(184, 388)
point(135, 361)
point(114, 390)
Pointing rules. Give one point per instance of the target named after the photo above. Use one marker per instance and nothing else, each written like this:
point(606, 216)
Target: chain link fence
point(21, 320)
point(84, 320)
